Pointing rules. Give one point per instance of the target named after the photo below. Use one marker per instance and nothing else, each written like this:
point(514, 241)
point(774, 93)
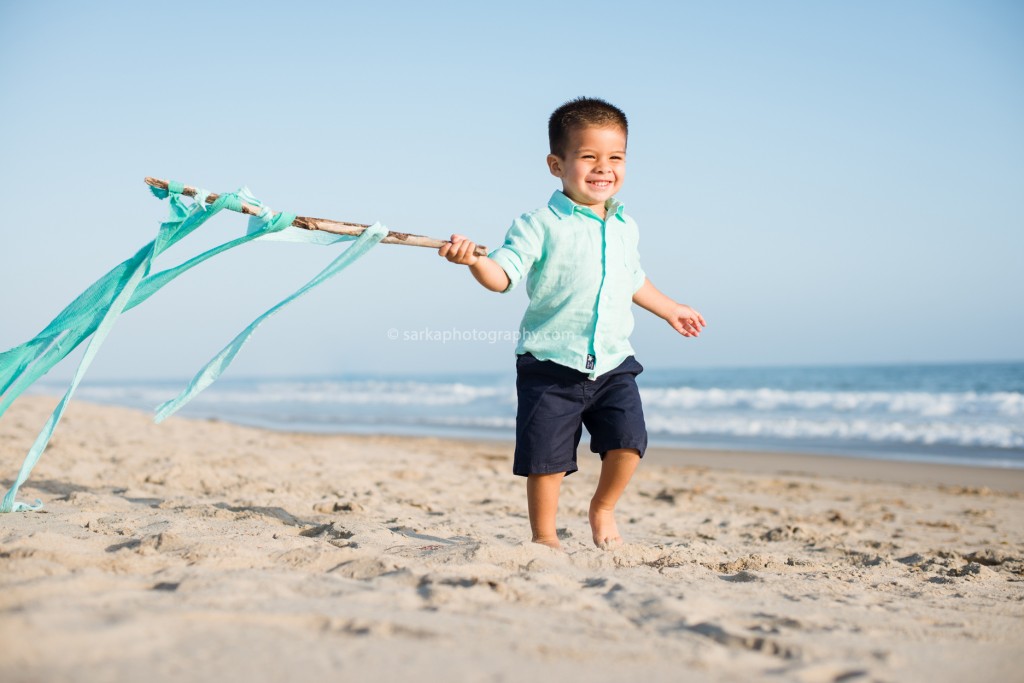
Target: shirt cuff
point(639, 277)
point(505, 259)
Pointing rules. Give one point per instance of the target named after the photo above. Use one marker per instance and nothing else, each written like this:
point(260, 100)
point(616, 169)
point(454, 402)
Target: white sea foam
point(929, 432)
point(359, 393)
point(924, 404)
point(966, 419)
point(482, 422)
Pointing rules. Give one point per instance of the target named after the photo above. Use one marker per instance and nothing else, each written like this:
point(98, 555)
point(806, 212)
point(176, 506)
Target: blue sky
point(826, 182)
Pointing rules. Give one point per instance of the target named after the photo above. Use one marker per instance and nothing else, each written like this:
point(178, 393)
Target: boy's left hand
point(686, 321)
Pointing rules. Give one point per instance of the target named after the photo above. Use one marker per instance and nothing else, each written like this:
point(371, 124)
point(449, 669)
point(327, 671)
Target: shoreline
point(921, 456)
point(959, 414)
point(866, 467)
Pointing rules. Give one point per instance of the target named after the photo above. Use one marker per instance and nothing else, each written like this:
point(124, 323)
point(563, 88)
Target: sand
point(201, 551)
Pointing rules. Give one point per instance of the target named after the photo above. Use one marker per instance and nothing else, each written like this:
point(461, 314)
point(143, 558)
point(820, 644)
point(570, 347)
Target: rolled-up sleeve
point(522, 248)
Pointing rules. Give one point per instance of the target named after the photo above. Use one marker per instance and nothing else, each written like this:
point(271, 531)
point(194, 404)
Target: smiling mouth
point(601, 184)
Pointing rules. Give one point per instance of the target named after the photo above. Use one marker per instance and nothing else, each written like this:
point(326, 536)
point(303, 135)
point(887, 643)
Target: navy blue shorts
point(555, 402)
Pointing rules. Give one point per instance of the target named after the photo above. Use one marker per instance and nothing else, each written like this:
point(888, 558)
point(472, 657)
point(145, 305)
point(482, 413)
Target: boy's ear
point(555, 165)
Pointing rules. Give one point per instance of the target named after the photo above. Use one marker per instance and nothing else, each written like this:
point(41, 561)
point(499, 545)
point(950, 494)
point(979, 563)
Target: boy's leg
point(542, 499)
point(617, 469)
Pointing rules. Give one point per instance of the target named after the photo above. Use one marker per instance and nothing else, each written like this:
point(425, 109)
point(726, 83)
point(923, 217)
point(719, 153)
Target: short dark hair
point(580, 113)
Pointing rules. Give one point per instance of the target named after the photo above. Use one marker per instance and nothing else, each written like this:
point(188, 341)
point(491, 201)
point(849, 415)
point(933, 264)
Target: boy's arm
point(681, 317)
point(486, 271)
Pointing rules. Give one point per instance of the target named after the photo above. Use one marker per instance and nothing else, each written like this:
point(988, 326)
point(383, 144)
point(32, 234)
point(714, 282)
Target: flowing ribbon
point(94, 312)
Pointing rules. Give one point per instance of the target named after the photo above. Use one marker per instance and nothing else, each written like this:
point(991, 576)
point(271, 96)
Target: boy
point(574, 364)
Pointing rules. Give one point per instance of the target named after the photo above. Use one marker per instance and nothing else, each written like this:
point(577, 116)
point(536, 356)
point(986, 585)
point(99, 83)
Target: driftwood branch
point(327, 225)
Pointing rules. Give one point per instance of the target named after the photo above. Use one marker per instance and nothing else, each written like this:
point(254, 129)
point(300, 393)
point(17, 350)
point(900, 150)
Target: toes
point(609, 543)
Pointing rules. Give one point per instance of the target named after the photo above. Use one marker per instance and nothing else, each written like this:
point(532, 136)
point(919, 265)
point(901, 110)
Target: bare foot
point(549, 542)
point(606, 533)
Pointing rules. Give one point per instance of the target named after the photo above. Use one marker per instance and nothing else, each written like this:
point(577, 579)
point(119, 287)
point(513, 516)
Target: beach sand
point(201, 551)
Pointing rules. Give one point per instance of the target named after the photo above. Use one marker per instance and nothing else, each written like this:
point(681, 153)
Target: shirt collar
point(565, 207)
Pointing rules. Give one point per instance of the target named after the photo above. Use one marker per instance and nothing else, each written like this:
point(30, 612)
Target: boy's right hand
point(459, 250)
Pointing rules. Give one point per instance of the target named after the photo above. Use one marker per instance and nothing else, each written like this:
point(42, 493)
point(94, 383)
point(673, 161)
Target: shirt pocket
point(628, 254)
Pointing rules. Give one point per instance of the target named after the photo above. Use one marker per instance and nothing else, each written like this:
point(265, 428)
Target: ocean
point(960, 413)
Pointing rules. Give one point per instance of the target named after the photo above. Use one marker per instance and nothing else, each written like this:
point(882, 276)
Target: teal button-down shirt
point(581, 273)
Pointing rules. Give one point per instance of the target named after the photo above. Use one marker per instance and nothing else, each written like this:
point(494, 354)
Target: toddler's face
point(594, 165)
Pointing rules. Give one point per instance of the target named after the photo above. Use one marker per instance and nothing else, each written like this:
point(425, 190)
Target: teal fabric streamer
point(141, 260)
point(94, 312)
point(21, 366)
point(219, 363)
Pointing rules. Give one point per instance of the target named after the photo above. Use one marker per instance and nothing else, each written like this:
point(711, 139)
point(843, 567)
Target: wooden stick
point(327, 225)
